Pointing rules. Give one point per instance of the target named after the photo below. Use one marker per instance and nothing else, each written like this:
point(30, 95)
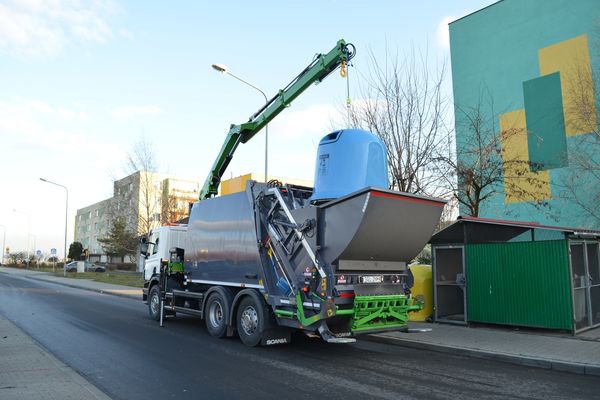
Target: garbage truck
point(329, 260)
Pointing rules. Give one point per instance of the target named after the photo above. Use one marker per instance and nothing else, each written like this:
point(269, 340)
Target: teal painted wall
point(494, 58)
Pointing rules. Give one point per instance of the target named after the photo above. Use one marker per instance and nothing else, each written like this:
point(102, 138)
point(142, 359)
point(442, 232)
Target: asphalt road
point(114, 344)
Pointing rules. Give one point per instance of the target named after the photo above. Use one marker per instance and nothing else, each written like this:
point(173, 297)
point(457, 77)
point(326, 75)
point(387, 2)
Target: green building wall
point(514, 60)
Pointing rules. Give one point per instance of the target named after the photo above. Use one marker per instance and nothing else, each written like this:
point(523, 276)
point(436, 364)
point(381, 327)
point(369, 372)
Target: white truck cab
point(160, 242)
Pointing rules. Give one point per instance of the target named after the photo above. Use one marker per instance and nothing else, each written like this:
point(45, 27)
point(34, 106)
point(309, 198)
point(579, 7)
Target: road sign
point(53, 252)
point(38, 253)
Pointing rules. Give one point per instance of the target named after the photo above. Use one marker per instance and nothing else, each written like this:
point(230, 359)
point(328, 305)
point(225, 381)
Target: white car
point(88, 267)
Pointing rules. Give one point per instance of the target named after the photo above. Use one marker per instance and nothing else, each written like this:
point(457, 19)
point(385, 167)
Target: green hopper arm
point(316, 71)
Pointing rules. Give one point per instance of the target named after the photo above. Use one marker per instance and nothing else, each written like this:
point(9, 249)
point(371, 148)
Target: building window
point(130, 187)
point(95, 226)
point(96, 212)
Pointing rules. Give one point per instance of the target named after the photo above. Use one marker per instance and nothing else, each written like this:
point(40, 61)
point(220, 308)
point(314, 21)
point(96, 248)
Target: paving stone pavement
point(27, 371)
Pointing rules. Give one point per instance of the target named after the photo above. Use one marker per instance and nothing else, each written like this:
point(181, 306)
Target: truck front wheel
point(216, 315)
point(250, 321)
point(154, 303)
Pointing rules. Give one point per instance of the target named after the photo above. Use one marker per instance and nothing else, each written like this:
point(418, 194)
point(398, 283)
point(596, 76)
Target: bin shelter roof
point(468, 230)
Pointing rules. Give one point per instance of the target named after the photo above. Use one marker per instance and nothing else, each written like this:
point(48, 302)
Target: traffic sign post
point(53, 252)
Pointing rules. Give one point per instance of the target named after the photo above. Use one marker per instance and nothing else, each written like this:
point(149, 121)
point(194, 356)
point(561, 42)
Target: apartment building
point(93, 222)
point(145, 200)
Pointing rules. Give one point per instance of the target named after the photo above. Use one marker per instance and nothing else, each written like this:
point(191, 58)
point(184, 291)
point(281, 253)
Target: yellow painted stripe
point(572, 59)
point(520, 184)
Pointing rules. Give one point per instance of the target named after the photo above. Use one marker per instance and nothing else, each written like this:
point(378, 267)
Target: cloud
point(315, 119)
point(126, 34)
point(132, 111)
point(37, 125)
point(442, 33)
point(45, 27)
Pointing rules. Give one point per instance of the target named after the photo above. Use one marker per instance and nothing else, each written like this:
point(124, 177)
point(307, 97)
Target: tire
point(250, 321)
point(217, 315)
point(154, 303)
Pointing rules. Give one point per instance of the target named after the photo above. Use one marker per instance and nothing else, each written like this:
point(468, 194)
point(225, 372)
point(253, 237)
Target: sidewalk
point(580, 355)
point(558, 351)
point(27, 371)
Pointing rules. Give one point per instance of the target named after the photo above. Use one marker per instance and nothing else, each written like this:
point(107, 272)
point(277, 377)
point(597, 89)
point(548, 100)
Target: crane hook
point(343, 72)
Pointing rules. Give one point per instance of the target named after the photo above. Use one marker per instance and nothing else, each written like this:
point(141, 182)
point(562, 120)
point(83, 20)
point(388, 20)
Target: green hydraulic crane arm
point(316, 71)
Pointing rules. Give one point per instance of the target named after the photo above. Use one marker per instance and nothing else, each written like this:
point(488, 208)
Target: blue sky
point(81, 81)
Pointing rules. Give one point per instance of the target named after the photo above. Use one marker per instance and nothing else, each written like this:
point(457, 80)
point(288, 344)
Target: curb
point(563, 366)
point(97, 290)
point(102, 291)
point(68, 382)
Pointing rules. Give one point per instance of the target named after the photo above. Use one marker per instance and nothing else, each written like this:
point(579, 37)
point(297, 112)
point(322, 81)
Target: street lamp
point(3, 242)
point(223, 69)
point(66, 215)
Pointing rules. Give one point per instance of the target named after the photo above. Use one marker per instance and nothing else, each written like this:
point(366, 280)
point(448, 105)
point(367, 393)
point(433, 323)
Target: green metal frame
point(322, 65)
point(369, 313)
point(382, 312)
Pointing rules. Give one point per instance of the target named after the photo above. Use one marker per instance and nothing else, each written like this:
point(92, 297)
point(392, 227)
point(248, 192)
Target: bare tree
point(142, 160)
point(482, 169)
point(403, 103)
point(581, 185)
point(137, 197)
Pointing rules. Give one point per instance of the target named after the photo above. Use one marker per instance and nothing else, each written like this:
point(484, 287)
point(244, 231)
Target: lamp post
point(223, 69)
point(66, 215)
point(3, 243)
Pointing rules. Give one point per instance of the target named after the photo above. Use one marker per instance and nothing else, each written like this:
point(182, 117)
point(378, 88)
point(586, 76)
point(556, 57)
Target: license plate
point(371, 279)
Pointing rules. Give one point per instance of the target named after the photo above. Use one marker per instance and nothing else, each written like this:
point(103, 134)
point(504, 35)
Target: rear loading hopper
point(375, 229)
point(369, 237)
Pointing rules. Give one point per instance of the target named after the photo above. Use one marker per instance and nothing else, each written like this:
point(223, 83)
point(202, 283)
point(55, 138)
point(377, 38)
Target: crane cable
point(344, 74)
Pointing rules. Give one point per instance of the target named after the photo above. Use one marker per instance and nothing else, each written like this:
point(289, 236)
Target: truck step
point(184, 310)
point(339, 340)
point(329, 337)
point(185, 293)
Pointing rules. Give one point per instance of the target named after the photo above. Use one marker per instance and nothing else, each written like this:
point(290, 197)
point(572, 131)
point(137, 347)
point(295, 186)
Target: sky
point(82, 81)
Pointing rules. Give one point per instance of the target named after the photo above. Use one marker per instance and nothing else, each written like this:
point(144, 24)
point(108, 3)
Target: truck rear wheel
point(216, 315)
point(154, 303)
point(250, 321)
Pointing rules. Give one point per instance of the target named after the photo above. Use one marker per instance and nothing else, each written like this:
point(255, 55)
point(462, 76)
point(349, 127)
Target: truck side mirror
point(144, 247)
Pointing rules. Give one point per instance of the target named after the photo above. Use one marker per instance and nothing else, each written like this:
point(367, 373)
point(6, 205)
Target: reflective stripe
point(236, 284)
point(305, 304)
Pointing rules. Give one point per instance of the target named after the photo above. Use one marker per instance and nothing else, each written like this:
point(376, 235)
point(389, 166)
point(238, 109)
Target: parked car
point(88, 267)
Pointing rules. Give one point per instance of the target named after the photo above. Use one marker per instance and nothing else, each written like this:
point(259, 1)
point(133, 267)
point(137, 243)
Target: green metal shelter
point(517, 274)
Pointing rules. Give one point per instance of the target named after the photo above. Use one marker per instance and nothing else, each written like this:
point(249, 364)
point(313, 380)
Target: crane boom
point(321, 66)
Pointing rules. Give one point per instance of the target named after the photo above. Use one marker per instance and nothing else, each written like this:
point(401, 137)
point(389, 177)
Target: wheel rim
point(215, 314)
point(154, 304)
point(249, 321)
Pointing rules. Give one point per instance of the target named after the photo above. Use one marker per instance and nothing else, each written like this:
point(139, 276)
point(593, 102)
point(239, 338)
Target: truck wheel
point(154, 303)
point(216, 315)
point(250, 321)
